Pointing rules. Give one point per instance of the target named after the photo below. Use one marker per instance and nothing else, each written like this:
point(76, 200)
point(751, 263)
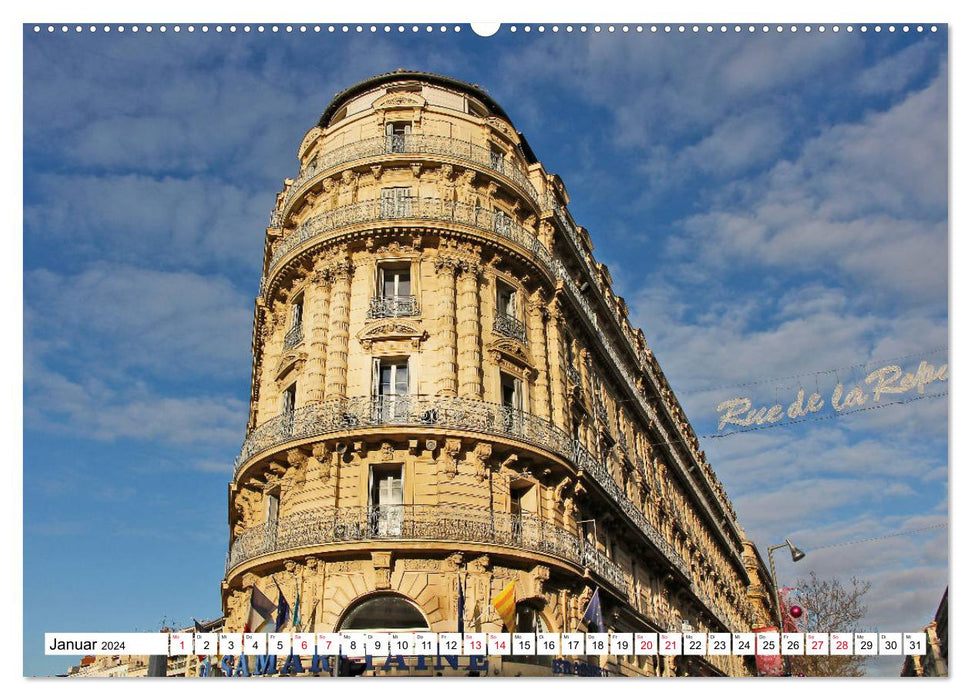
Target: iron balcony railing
point(293, 337)
point(509, 326)
point(601, 411)
point(573, 374)
point(393, 307)
point(405, 208)
point(451, 413)
point(417, 144)
point(433, 523)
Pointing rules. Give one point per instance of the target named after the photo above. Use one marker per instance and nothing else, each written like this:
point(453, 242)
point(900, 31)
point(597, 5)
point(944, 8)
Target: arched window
point(384, 613)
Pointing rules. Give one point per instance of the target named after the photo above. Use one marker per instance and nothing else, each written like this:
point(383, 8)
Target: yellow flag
point(505, 605)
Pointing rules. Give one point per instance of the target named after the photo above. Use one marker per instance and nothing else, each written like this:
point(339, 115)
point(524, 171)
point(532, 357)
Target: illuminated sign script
point(881, 383)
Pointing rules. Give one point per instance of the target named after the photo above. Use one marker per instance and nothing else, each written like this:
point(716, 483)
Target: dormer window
point(497, 158)
point(397, 135)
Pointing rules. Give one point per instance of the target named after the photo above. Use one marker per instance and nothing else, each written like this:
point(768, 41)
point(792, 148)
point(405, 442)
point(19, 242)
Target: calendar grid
point(520, 644)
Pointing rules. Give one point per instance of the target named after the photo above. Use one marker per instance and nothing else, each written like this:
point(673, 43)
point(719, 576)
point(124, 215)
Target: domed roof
point(402, 74)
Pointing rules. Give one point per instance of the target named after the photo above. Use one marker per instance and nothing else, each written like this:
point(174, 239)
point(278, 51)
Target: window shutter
point(407, 128)
point(375, 376)
point(389, 129)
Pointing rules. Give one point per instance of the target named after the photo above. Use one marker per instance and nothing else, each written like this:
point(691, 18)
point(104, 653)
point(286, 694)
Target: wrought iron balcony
point(406, 208)
point(451, 413)
point(431, 523)
point(573, 374)
point(509, 326)
point(412, 144)
point(293, 337)
point(393, 307)
point(600, 410)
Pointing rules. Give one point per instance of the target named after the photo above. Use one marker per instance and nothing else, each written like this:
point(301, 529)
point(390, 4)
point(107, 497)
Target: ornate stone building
point(445, 388)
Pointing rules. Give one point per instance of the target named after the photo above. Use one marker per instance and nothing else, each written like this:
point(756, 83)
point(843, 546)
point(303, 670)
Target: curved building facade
point(445, 389)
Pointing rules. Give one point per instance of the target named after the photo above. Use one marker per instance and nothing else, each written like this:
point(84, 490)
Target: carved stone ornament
point(501, 126)
point(290, 361)
point(480, 457)
point(309, 140)
point(453, 561)
point(450, 454)
point(479, 565)
point(512, 355)
point(387, 451)
point(399, 99)
point(396, 329)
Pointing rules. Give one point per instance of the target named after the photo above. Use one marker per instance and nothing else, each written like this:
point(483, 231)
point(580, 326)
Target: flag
point(461, 609)
point(282, 609)
point(260, 611)
point(593, 615)
point(309, 627)
point(296, 611)
point(505, 605)
point(198, 630)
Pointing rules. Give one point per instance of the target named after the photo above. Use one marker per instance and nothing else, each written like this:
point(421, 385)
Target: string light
point(881, 537)
point(827, 416)
point(817, 372)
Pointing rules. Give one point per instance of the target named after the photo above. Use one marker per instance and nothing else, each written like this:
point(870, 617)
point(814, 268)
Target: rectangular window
point(393, 296)
point(390, 386)
point(512, 403)
point(272, 513)
point(387, 499)
point(497, 158)
point(506, 299)
point(296, 315)
point(502, 222)
point(395, 202)
point(290, 398)
point(394, 281)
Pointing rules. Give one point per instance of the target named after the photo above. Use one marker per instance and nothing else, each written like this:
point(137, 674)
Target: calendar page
point(397, 348)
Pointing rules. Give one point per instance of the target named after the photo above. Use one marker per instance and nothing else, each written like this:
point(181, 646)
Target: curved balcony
point(430, 523)
point(432, 209)
point(327, 418)
point(413, 145)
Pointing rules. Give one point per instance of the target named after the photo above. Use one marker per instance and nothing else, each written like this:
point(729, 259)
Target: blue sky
point(768, 205)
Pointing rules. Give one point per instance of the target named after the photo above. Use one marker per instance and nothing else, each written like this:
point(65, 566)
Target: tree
point(829, 606)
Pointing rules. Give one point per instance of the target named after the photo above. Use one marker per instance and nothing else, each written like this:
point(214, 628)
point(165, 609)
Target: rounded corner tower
point(446, 392)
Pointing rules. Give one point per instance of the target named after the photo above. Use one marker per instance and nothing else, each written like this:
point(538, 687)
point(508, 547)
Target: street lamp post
point(797, 554)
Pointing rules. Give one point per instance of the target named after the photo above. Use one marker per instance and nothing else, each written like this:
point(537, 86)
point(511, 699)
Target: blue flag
point(461, 609)
point(593, 615)
point(282, 609)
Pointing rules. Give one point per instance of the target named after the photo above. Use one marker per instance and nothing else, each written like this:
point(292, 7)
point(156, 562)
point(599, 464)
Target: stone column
point(446, 268)
point(273, 330)
point(340, 307)
point(469, 328)
point(317, 302)
point(536, 329)
point(554, 330)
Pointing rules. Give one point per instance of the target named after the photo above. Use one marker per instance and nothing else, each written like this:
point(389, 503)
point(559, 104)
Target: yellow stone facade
point(446, 389)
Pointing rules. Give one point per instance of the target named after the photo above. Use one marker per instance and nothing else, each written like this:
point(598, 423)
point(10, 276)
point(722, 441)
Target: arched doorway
point(384, 612)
